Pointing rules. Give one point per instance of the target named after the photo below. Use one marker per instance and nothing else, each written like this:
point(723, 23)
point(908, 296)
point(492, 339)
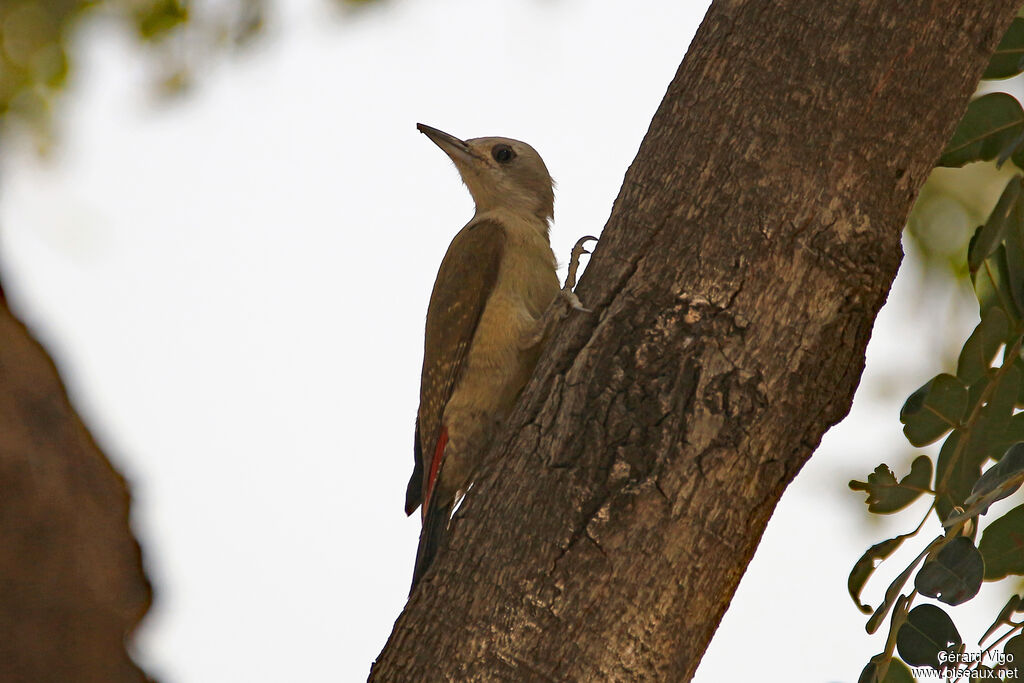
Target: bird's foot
point(567, 294)
point(572, 302)
point(574, 262)
point(566, 301)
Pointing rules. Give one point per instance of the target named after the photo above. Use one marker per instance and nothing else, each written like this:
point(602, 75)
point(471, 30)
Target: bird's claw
point(566, 301)
point(574, 265)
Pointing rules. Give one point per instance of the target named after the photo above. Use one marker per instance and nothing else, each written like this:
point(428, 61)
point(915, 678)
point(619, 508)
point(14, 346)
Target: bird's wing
point(464, 283)
point(414, 491)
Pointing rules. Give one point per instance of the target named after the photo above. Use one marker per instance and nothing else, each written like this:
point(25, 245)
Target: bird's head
point(500, 173)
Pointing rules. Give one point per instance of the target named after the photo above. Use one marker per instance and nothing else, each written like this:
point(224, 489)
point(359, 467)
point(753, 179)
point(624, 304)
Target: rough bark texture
point(71, 581)
point(735, 286)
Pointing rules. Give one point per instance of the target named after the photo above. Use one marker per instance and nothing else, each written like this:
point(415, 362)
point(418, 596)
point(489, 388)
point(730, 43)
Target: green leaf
point(869, 674)
point(1011, 150)
point(992, 285)
point(934, 409)
point(886, 495)
point(157, 18)
point(959, 464)
point(954, 575)
point(928, 631)
point(978, 388)
point(989, 435)
point(898, 673)
point(991, 234)
point(1013, 240)
point(1015, 647)
point(954, 478)
point(991, 125)
point(1002, 545)
point(1015, 268)
point(892, 593)
point(1020, 394)
point(866, 565)
point(981, 347)
point(1000, 480)
point(1008, 59)
point(1014, 433)
point(999, 409)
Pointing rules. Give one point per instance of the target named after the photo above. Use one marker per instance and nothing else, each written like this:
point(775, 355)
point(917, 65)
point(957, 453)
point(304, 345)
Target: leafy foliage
point(1008, 59)
point(933, 410)
point(975, 412)
point(954, 574)
point(927, 631)
point(1002, 545)
point(36, 57)
point(35, 45)
point(885, 494)
point(992, 128)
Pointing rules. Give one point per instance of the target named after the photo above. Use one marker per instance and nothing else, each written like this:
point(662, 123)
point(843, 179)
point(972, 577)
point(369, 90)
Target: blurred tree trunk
point(71, 581)
point(734, 289)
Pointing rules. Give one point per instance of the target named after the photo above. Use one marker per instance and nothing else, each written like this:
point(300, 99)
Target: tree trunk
point(72, 587)
point(751, 246)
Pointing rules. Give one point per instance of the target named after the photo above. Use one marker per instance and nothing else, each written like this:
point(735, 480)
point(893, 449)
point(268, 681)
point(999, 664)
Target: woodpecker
point(494, 300)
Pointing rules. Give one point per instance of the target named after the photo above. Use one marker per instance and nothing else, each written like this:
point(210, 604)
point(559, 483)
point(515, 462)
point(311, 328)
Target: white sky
point(234, 288)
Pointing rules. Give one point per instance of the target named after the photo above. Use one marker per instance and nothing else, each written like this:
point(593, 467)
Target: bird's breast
point(526, 284)
point(527, 272)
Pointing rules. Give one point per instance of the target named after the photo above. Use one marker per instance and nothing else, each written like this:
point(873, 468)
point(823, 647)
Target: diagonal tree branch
point(735, 286)
point(72, 587)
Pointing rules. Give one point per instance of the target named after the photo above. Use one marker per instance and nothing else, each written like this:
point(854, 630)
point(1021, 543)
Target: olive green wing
point(464, 283)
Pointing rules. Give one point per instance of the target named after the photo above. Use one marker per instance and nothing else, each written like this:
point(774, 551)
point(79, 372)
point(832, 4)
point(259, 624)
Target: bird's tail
point(435, 527)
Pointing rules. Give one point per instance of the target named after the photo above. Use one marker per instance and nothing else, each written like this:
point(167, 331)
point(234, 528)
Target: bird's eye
point(503, 154)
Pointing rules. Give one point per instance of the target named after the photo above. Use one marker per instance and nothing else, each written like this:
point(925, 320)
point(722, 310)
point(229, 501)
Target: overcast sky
point(234, 288)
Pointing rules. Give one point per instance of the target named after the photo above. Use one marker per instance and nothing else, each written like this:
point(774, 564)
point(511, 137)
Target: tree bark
point(72, 587)
point(734, 289)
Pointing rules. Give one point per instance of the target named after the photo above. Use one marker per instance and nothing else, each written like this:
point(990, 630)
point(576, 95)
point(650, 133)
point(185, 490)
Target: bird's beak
point(457, 149)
